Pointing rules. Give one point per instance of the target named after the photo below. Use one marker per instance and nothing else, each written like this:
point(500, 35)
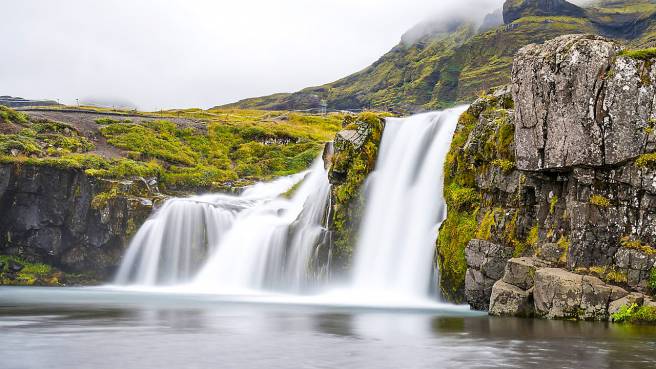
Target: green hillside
point(455, 62)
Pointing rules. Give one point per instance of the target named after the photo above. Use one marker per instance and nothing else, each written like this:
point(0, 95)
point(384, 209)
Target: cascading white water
point(270, 245)
point(260, 240)
point(223, 242)
point(404, 206)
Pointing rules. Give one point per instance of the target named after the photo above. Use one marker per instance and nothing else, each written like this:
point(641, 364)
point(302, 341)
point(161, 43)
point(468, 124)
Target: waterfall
point(270, 246)
point(404, 206)
point(261, 240)
point(220, 242)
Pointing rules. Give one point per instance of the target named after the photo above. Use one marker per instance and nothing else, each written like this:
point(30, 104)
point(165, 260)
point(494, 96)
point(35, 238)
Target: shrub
point(635, 314)
point(11, 115)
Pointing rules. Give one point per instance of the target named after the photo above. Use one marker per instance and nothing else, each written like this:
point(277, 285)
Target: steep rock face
point(592, 215)
point(64, 218)
point(515, 9)
point(486, 263)
point(350, 159)
point(577, 110)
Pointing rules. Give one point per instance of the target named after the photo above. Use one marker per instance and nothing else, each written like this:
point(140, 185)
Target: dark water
point(79, 328)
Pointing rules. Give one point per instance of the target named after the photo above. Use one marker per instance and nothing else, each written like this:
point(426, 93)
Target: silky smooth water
point(108, 329)
point(404, 206)
point(261, 241)
point(224, 243)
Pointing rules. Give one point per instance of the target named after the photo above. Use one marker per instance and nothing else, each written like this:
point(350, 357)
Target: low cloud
point(181, 53)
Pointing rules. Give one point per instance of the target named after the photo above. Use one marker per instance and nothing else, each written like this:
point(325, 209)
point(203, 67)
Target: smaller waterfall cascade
point(404, 206)
point(269, 246)
point(222, 242)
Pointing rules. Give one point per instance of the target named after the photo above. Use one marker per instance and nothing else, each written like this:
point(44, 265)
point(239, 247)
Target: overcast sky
point(198, 53)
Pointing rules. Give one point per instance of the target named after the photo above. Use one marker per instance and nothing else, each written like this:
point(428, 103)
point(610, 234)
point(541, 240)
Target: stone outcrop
point(65, 218)
point(580, 105)
point(486, 261)
point(520, 272)
point(560, 294)
point(562, 170)
point(509, 300)
point(349, 160)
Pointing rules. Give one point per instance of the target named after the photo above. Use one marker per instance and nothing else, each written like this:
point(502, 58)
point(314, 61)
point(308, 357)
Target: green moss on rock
point(350, 165)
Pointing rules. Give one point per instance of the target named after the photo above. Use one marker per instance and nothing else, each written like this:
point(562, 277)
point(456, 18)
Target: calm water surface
point(96, 328)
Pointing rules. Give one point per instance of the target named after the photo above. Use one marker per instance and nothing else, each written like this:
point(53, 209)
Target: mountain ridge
point(456, 61)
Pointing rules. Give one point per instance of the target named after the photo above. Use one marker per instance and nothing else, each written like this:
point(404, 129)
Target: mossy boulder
point(353, 157)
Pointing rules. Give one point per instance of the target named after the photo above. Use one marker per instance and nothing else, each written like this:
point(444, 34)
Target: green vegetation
point(41, 139)
point(606, 273)
point(441, 69)
point(646, 161)
point(225, 147)
point(29, 273)
point(348, 171)
point(630, 243)
point(563, 245)
point(106, 121)
point(640, 54)
point(599, 201)
point(635, 314)
point(652, 280)
point(552, 204)
point(8, 115)
point(491, 137)
point(505, 165)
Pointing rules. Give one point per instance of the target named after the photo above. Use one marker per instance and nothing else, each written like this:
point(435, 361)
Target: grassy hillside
point(452, 66)
point(185, 149)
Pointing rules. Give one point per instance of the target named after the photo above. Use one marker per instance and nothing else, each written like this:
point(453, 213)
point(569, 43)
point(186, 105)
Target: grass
point(226, 147)
point(640, 54)
point(10, 115)
point(30, 274)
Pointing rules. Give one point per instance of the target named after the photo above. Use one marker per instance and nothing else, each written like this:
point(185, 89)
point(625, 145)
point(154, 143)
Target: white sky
point(198, 53)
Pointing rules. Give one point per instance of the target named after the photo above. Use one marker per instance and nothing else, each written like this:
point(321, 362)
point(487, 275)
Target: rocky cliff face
point(350, 160)
point(69, 220)
point(561, 216)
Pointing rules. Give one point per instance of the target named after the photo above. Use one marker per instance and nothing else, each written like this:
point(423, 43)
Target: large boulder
point(560, 294)
point(520, 272)
point(486, 262)
point(554, 85)
point(509, 300)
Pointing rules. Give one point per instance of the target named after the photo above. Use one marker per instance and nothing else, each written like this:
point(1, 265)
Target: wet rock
point(486, 263)
point(49, 216)
point(15, 267)
point(520, 272)
point(509, 300)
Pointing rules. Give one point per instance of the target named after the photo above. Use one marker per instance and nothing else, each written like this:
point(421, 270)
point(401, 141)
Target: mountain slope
point(456, 61)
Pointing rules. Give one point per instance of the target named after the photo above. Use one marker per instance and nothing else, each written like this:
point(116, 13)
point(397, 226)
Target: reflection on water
point(77, 329)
